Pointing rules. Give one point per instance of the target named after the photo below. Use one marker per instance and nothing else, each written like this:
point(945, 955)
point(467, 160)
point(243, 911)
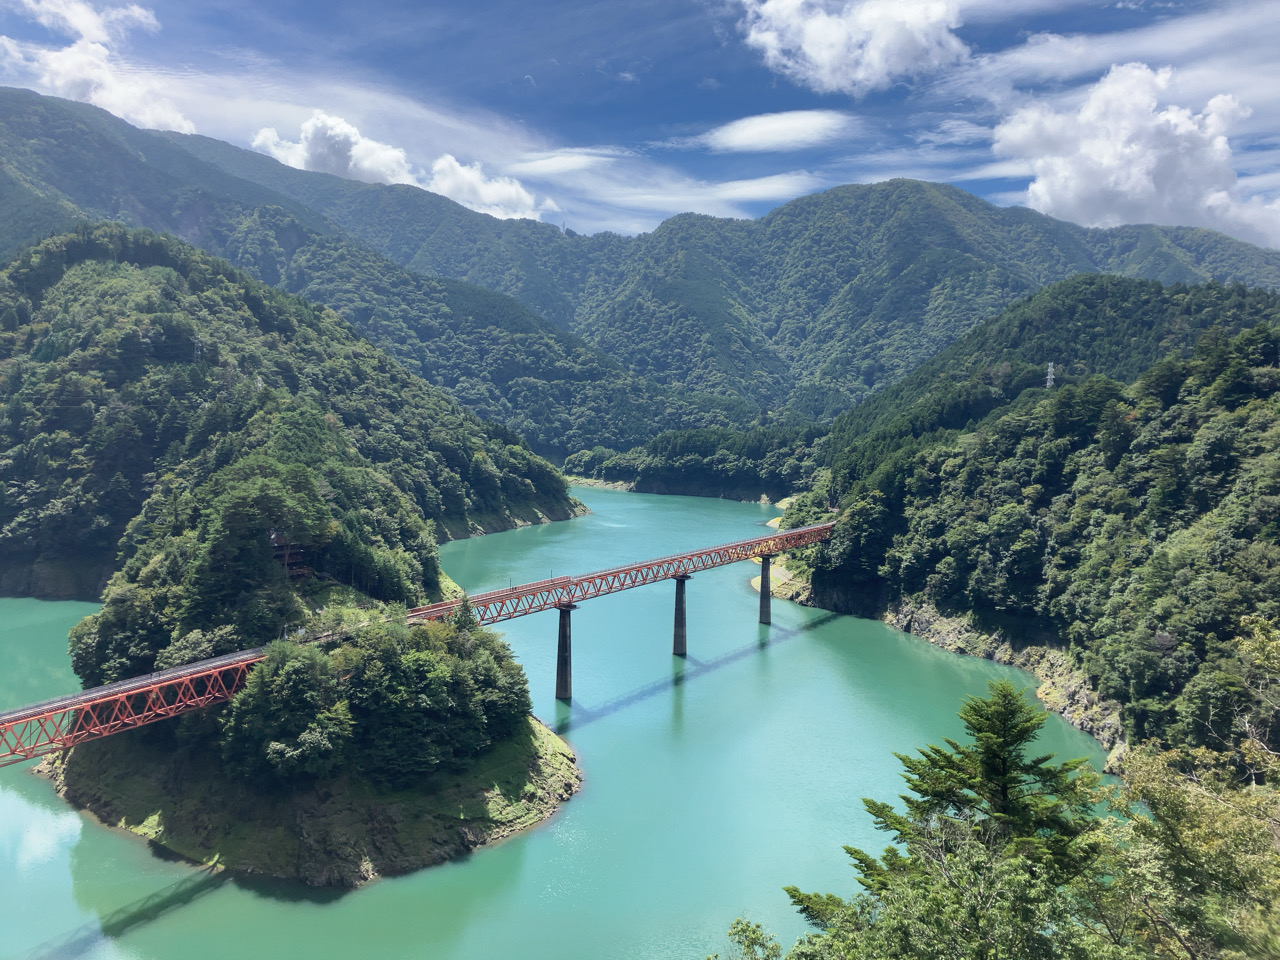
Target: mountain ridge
point(861, 265)
point(608, 340)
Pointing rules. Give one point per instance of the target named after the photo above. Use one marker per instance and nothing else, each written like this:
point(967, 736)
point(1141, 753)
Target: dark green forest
point(803, 311)
point(1135, 525)
point(1090, 324)
point(249, 468)
point(153, 392)
point(70, 163)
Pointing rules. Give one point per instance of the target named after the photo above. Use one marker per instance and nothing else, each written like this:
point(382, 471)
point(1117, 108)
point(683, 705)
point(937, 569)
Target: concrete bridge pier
point(766, 596)
point(564, 654)
point(678, 645)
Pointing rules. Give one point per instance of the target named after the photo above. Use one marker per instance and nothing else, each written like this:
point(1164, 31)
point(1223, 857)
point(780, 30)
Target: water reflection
point(579, 716)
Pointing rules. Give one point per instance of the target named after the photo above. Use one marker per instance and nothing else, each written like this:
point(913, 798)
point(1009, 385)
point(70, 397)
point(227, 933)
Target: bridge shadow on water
point(82, 940)
point(85, 939)
point(694, 668)
point(111, 926)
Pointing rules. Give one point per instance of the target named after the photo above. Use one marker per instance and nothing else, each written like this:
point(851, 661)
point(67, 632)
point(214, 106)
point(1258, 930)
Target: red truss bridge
point(52, 725)
point(511, 602)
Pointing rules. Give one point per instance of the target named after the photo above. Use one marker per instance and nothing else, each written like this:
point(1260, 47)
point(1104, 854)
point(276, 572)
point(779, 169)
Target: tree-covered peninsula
point(237, 465)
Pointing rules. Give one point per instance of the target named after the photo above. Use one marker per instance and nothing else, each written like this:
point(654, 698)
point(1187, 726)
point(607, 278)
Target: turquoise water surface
point(710, 782)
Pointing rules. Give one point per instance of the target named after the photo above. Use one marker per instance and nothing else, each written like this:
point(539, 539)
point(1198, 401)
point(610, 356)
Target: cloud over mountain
point(1123, 157)
point(89, 68)
point(329, 144)
point(332, 145)
point(502, 197)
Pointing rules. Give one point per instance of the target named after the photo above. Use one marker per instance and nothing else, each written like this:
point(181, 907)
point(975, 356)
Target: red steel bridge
point(57, 724)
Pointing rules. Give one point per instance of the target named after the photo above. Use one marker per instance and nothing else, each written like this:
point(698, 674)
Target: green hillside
point(704, 323)
point(1090, 324)
point(67, 163)
point(143, 379)
point(1133, 526)
point(813, 306)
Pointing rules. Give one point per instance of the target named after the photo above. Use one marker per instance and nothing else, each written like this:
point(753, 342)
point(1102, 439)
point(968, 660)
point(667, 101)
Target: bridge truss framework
point(52, 725)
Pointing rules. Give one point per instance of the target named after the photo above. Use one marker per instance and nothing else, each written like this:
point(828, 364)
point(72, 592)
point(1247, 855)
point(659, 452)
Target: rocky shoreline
point(1064, 688)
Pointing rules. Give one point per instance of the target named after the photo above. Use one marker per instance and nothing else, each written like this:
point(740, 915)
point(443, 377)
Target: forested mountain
point(703, 323)
point(1136, 525)
point(148, 386)
point(1090, 324)
point(63, 163)
point(812, 306)
point(250, 467)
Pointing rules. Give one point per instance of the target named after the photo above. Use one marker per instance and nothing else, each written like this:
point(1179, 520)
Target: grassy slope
point(344, 833)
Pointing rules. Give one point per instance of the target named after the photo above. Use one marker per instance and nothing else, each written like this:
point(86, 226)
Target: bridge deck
point(51, 725)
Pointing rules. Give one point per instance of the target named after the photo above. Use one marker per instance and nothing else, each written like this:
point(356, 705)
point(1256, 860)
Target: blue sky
point(615, 116)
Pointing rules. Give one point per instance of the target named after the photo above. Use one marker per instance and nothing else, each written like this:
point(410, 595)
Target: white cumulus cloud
point(90, 67)
point(855, 46)
point(778, 132)
point(1123, 157)
point(329, 144)
point(503, 197)
point(332, 145)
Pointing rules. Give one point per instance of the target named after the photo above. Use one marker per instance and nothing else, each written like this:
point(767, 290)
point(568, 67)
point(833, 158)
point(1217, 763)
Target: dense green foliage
point(221, 446)
point(997, 854)
point(1086, 325)
point(1137, 525)
point(739, 464)
point(815, 305)
point(69, 163)
point(245, 459)
point(390, 703)
point(1083, 326)
point(487, 350)
point(701, 323)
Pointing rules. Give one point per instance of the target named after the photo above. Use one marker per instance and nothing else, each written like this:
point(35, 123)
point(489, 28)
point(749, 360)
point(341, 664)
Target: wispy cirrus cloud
point(783, 132)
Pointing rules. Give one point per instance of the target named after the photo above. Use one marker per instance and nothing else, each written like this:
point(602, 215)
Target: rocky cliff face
point(1063, 688)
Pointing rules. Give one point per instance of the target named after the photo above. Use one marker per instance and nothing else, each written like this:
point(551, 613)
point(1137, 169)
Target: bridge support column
point(678, 646)
point(564, 655)
point(766, 596)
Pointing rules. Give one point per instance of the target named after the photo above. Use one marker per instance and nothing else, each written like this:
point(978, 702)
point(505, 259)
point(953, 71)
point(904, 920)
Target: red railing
point(42, 728)
point(53, 725)
point(510, 602)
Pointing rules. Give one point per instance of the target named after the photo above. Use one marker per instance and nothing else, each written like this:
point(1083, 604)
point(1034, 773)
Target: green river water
point(710, 782)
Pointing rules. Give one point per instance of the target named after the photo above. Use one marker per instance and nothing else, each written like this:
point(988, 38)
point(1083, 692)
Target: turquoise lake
point(711, 782)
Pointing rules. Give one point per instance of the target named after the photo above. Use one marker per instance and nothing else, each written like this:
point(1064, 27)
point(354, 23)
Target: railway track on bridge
point(57, 724)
